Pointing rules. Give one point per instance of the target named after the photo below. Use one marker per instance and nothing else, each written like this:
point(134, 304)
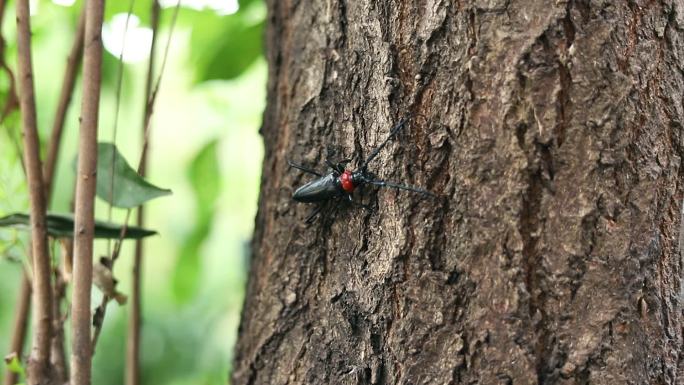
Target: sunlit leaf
point(205, 176)
point(62, 226)
point(130, 189)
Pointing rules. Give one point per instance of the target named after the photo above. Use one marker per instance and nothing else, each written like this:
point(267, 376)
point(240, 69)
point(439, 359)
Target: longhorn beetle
point(341, 182)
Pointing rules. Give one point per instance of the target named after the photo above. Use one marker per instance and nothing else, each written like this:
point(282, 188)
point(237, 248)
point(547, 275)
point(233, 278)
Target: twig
point(102, 309)
point(38, 366)
point(73, 61)
point(20, 325)
point(85, 195)
point(12, 102)
point(117, 106)
point(150, 102)
point(134, 314)
point(57, 352)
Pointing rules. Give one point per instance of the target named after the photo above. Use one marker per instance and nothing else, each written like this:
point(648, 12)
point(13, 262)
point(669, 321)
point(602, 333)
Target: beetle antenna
point(383, 183)
point(303, 168)
point(393, 133)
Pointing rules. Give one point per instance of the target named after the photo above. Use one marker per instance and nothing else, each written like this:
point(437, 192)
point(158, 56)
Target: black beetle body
point(318, 190)
point(341, 182)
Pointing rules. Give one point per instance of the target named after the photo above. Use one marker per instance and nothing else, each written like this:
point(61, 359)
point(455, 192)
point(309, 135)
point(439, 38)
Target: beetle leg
point(355, 203)
point(305, 169)
point(313, 214)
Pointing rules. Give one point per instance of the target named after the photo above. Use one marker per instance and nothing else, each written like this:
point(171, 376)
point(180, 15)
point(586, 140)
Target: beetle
point(340, 182)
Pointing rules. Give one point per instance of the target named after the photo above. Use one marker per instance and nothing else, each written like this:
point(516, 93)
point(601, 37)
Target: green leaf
point(237, 49)
point(130, 189)
point(14, 365)
point(205, 176)
point(187, 271)
point(223, 47)
point(62, 226)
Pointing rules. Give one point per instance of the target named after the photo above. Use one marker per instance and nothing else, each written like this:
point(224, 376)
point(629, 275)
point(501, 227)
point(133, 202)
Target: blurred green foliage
point(204, 146)
point(217, 60)
point(205, 177)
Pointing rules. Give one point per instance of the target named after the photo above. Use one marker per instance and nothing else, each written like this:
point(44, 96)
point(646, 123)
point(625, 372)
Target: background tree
point(553, 136)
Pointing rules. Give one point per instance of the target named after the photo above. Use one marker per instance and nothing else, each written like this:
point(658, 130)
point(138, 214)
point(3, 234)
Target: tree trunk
point(552, 133)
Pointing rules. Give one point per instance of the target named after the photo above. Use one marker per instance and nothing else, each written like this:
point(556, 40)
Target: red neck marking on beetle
point(346, 181)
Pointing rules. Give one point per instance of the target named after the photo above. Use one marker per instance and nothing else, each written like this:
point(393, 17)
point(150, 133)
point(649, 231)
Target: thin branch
point(134, 315)
point(68, 85)
point(3, 6)
point(20, 325)
point(23, 304)
point(153, 97)
point(85, 195)
point(38, 368)
point(12, 102)
point(17, 147)
point(154, 21)
point(132, 374)
point(101, 310)
point(57, 353)
point(117, 106)
point(98, 317)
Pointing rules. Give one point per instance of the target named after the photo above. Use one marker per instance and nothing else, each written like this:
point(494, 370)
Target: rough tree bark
point(553, 134)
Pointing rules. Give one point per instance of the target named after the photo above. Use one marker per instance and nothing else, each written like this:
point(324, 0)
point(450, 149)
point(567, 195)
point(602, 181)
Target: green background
point(205, 147)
